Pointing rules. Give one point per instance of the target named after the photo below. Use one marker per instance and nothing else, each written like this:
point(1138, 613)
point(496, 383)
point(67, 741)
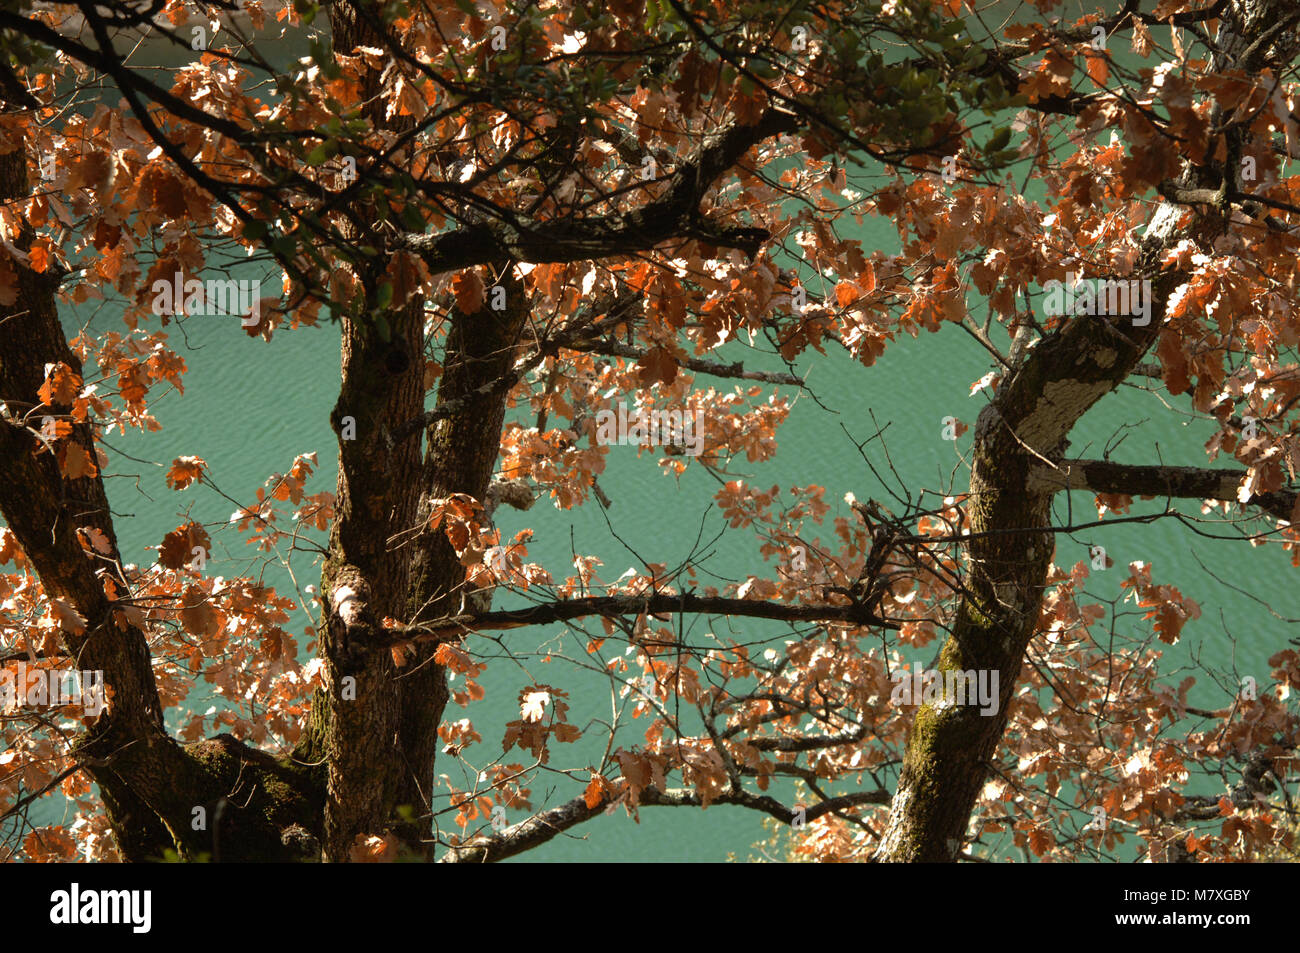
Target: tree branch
point(545, 825)
point(673, 214)
point(1198, 483)
point(698, 365)
point(453, 628)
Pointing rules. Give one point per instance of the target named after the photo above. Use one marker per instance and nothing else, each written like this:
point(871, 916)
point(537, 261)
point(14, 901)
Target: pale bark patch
point(1061, 404)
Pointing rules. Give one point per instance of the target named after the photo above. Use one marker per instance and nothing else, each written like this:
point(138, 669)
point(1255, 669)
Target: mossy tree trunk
point(1024, 428)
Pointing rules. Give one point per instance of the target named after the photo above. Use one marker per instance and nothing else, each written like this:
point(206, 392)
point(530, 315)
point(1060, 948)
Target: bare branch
point(1196, 483)
point(545, 825)
point(451, 629)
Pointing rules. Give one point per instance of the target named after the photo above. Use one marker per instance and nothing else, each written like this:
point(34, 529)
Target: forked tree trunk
point(375, 724)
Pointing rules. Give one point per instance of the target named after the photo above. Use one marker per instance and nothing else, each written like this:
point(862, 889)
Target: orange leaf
point(49, 845)
point(658, 364)
point(453, 658)
point(184, 471)
point(92, 537)
point(1098, 68)
point(867, 278)
point(373, 850)
point(106, 236)
point(40, 256)
point(61, 385)
point(69, 619)
point(177, 549)
point(132, 383)
point(8, 545)
point(197, 614)
point(595, 792)
point(567, 733)
point(467, 286)
point(54, 429)
point(163, 191)
point(77, 462)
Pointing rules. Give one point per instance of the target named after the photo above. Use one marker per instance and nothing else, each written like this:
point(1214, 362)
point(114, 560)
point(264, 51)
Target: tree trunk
point(460, 457)
point(949, 750)
point(150, 783)
point(378, 732)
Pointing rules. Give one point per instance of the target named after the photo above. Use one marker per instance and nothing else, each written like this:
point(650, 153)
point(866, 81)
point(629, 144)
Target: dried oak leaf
point(658, 364)
point(177, 549)
point(184, 471)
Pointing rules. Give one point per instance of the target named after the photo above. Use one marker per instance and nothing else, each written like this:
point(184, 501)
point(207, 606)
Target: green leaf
point(999, 140)
point(412, 220)
point(322, 153)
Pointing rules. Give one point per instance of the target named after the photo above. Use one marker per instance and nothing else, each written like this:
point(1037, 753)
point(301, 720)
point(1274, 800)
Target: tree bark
point(150, 783)
point(1194, 483)
point(1024, 427)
